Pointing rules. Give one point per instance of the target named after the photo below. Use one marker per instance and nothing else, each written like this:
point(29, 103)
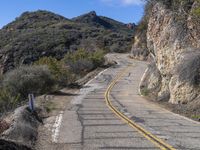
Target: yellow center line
point(157, 141)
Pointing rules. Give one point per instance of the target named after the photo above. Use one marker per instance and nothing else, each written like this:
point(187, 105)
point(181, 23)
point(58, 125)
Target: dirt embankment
point(19, 129)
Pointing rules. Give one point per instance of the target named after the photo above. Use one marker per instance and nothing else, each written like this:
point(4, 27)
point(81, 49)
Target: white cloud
point(132, 2)
point(123, 2)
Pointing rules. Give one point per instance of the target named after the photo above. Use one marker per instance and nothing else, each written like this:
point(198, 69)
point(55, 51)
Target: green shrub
point(61, 73)
point(75, 56)
point(196, 11)
point(97, 58)
point(78, 61)
point(115, 48)
point(144, 91)
point(81, 66)
point(196, 116)
point(52, 63)
point(82, 61)
point(28, 79)
point(8, 100)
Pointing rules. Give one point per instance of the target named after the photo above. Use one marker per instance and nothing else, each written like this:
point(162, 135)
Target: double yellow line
point(157, 141)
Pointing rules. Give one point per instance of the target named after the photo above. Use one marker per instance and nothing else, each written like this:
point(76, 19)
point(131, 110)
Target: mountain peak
point(42, 33)
point(88, 17)
point(41, 14)
point(37, 18)
point(92, 13)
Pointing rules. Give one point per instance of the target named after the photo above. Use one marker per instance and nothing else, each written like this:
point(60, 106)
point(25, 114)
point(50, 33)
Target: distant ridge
point(100, 21)
point(43, 33)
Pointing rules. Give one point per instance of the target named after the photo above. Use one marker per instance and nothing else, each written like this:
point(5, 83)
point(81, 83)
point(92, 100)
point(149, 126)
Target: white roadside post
point(31, 102)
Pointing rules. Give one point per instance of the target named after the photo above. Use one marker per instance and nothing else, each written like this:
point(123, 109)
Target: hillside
point(42, 33)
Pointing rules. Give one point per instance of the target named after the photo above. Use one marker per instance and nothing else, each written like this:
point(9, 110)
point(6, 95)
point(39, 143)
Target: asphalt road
point(88, 123)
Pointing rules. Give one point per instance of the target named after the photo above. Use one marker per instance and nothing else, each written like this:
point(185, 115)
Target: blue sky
point(122, 10)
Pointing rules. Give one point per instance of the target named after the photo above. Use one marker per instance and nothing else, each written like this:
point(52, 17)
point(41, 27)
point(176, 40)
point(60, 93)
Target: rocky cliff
point(139, 48)
point(173, 40)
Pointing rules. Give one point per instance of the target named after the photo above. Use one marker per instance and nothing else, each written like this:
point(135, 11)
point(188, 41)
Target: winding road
point(109, 113)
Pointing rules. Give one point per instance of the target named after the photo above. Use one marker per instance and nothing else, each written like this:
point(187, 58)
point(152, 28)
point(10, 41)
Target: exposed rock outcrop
point(23, 128)
point(151, 81)
point(173, 39)
point(139, 48)
point(131, 25)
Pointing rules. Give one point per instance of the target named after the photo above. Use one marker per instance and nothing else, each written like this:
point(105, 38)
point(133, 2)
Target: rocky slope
point(42, 33)
point(139, 48)
point(173, 39)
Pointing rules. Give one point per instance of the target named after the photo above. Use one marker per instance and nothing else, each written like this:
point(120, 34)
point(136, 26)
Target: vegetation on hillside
point(45, 76)
point(18, 83)
point(59, 71)
point(82, 61)
point(41, 52)
point(42, 33)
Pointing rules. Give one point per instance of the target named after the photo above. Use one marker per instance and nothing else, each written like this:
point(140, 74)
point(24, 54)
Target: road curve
point(89, 123)
point(157, 141)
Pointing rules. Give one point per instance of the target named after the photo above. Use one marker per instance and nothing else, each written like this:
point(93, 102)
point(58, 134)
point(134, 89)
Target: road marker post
point(31, 102)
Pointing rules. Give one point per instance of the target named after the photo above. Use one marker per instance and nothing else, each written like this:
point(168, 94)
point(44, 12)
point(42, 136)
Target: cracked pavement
point(88, 123)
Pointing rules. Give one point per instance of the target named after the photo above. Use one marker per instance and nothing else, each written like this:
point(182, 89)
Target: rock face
point(173, 39)
point(131, 25)
point(139, 48)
